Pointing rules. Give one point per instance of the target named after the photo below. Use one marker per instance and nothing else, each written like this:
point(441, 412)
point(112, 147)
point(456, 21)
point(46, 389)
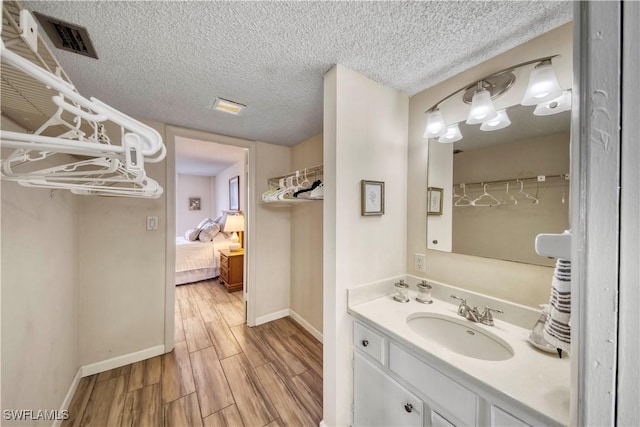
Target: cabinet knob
point(408, 407)
point(435, 242)
point(365, 343)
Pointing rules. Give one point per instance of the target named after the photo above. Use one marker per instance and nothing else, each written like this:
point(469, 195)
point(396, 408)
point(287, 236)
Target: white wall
point(221, 192)
point(518, 282)
point(121, 270)
point(39, 295)
point(306, 241)
point(188, 186)
point(365, 137)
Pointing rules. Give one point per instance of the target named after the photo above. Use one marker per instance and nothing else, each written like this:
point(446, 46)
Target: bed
point(198, 260)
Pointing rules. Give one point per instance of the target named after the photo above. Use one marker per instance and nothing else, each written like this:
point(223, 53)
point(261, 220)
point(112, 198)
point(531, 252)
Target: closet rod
point(564, 176)
point(315, 169)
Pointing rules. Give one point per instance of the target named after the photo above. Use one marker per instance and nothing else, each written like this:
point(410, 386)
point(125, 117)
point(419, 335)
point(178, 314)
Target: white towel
point(557, 329)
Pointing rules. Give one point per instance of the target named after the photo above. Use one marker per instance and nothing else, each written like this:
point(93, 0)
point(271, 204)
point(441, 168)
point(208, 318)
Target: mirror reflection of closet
point(537, 146)
point(504, 222)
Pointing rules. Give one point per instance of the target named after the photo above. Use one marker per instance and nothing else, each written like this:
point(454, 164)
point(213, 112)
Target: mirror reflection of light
point(453, 134)
point(500, 122)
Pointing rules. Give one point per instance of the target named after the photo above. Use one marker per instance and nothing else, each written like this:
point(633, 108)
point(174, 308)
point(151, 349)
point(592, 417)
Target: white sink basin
point(460, 336)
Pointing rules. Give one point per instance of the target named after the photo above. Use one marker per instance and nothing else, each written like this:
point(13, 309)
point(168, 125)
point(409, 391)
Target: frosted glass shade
point(482, 108)
point(500, 122)
point(555, 106)
point(435, 124)
point(543, 85)
point(453, 134)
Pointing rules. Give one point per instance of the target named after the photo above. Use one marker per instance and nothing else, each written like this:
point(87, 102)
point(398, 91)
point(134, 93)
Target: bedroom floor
point(221, 373)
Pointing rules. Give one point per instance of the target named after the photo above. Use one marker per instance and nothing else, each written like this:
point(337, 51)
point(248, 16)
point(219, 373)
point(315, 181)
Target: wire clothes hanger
point(463, 200)
point(525, 194)
point(485, 199)
point(510, 199)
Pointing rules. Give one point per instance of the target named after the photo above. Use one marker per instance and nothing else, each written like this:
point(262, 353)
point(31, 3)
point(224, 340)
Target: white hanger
point(463, 200)
point(492, 201)
point(511, 199)
point(528, 196)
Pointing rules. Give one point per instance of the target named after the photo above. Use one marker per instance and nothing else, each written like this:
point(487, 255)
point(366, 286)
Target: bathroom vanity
point(424, 365)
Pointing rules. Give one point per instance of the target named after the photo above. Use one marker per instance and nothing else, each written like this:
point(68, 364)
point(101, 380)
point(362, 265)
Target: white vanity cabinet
point(395, 387)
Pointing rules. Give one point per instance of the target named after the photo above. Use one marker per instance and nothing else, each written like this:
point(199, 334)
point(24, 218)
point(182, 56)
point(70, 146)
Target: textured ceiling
point(167, 61)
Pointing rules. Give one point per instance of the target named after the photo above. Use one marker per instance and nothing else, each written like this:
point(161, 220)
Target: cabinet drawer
point(438, 420)
point(435, 387)
point(369, 342)
point(500, 418)
point(224, 261)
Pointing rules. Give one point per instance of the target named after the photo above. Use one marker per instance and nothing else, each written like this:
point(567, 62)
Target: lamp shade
point(453, 134)
point(500, 122)
point(435, 124)
point(543, 85)
point(233, 223)
point(482, 108)
point(555, 106)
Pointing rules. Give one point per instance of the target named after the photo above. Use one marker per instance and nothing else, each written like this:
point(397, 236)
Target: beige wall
point(121, 271)
point(365, 137)
point(188, 186)
point(522, 283)
point(222, 188)
point(272, 238)
point(306, 241)
point(39, 295)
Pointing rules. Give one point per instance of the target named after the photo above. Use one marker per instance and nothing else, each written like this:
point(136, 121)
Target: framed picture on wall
point(234, 193)
point(372, 197)
point(434, 201)
point(194, 203)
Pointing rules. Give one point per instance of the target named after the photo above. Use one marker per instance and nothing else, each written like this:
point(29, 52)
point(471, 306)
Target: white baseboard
point(116, 362)
point(306, 325)
point(67, 399)
point(272, 316)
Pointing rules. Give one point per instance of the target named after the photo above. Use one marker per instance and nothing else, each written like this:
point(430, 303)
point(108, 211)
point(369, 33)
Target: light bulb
point(453, 134)
point(482, 108)
point(543, 85)
point(500, 122)
point(435, 124)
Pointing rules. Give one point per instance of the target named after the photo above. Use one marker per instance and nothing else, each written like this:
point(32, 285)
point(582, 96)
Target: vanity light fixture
point(435, 124)
point(543, 85)
point(500, 122)
point(453, 134)
point(555, 106)
point(543, 90)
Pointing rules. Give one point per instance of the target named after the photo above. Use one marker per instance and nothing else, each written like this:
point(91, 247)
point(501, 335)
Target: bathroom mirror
point(518, 177)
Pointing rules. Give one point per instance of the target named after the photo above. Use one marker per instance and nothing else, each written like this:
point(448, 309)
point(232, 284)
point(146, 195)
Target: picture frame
point(434, 201)
point(234, 193)
point(372, 197)
point(194, 203)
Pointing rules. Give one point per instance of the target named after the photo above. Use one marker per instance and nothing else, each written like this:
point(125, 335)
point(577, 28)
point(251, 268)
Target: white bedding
point(198, 255)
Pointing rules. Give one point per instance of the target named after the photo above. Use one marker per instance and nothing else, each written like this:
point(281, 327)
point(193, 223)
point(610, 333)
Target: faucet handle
point(462, 300)
point(487, 318)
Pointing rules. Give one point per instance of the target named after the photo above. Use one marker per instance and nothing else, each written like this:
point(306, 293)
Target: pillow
point(218, 220)
point(192, 234)
point(203, 223)
point(208, 232)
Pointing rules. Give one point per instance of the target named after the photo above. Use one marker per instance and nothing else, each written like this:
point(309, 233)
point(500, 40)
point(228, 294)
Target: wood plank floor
point(221, 373)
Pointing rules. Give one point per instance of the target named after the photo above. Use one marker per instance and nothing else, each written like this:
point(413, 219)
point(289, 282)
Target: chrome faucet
point(473, 314)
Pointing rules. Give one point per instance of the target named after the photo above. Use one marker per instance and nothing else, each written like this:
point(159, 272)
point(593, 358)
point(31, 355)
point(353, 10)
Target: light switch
point(152, 223)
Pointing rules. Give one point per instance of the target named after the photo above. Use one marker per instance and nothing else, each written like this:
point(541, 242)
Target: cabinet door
point(500, 418)
point(381, 401)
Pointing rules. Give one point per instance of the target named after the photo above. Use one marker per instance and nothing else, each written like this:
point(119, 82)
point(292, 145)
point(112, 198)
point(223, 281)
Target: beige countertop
point(535, 381)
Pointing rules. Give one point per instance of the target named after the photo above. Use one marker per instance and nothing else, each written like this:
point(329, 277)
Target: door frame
point(250, 221)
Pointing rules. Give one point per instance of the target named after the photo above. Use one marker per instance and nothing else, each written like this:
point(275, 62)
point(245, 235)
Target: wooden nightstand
point(232, 269)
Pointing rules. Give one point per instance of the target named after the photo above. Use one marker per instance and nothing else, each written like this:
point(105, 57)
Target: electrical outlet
point(419, 263)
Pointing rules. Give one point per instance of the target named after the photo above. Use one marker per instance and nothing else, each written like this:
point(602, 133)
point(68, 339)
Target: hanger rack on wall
point(74, 126)
point(538, 178)
point(301, 186)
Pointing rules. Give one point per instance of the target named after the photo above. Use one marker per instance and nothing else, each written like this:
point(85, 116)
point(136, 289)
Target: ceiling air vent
point(67, 36)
